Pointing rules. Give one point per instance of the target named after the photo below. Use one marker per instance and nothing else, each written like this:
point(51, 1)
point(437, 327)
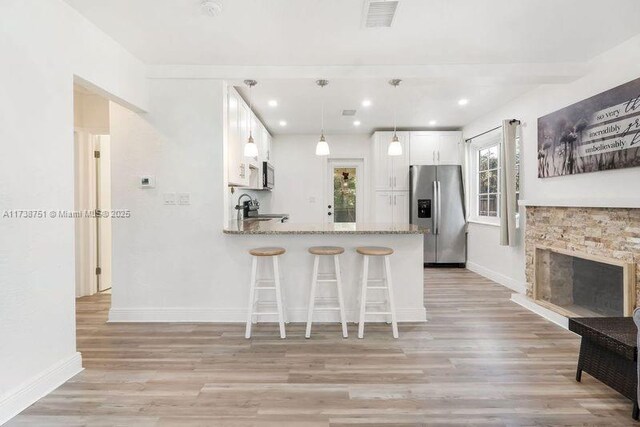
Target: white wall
point(301, 175)
point(170, 256)
point(615, 67)
point(43, 44)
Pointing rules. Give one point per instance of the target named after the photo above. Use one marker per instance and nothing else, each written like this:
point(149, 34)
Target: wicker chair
point(636, 318)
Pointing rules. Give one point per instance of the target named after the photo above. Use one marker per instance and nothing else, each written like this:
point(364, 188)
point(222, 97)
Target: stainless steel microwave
point(268, 176)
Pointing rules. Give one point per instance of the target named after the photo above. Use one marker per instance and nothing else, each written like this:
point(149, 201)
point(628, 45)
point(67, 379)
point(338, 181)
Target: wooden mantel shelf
point(583, 203)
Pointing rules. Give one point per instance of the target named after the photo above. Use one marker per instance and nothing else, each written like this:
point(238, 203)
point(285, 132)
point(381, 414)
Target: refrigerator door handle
point(435, 208)
point(439, 205)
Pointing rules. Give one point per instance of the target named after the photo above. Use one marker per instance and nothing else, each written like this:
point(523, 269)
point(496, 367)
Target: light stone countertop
point(277, 227)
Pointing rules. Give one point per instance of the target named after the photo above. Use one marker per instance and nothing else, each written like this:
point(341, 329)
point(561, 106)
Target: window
point(484, 174)
point(488, 174)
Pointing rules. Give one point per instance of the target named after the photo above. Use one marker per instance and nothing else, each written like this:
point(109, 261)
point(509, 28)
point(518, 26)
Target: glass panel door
point(344, 194)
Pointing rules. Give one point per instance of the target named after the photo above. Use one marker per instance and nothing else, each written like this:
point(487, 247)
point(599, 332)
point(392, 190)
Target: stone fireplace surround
point(603, 233)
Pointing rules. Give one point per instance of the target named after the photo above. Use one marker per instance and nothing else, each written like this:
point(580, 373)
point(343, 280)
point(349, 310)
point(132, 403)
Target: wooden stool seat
point(326, 250)
point(374, 250)
point(275, 251)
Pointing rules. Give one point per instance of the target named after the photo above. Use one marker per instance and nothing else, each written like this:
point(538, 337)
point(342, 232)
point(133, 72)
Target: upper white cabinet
point(436, 148)
point(390, 173)
point(239, 119)
point(238, 173)
point(265, 147)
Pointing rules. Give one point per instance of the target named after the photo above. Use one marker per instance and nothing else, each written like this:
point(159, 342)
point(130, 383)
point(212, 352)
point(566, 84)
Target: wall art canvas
point(599, 133)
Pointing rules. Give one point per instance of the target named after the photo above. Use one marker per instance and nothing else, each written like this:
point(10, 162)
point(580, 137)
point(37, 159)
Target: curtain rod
point(512, 121)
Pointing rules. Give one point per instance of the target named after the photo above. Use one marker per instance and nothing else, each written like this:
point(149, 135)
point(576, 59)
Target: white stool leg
point(252, 293)
point(276, 278)
point(363, 295)
point(336, 263)
point(392, 305)
point(312, 295)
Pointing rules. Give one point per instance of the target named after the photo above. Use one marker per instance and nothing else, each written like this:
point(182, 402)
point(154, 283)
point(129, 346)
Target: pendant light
point(250, 147)
point(395, 148)
point(322, 148)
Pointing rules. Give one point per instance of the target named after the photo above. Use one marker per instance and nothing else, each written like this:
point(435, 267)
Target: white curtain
point(508, 183)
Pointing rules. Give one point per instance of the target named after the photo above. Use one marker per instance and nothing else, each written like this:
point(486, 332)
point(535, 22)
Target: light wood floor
point(480, 360)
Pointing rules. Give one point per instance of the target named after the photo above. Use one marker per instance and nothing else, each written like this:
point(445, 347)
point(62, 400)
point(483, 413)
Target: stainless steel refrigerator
point(437, 203)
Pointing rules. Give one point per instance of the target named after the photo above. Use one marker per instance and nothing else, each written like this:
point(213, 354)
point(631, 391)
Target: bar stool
point(375, 251)
point(274, 253)
point(320, 251)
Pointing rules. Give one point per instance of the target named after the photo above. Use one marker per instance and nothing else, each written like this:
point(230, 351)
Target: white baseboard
point(500, 278)
point(20, 398)
point(531, 305)
point(220, 315)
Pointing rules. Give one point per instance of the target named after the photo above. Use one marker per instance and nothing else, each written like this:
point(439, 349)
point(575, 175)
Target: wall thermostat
point(147, 181)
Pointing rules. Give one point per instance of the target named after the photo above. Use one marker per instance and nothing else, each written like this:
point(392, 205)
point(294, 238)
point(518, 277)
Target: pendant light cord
point(395, 110)
point(322, 115)
point(250, 111)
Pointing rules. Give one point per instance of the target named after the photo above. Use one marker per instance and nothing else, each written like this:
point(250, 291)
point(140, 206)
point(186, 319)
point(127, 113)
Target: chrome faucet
point(241, 208)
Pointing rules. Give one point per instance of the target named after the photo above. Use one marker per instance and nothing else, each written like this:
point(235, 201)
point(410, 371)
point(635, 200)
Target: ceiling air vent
point(379, 13)
point(348, 112)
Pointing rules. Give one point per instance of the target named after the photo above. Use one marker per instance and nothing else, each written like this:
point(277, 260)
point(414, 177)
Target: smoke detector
point(379, 13)
point(211, 7)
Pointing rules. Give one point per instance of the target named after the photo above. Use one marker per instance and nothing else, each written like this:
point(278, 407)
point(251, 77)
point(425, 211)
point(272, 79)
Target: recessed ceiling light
point(273, 103)
point(211, 7)
point(432, 122)
point(283, 122)
point(366, 103)
point(356, 123)
point(463, 101)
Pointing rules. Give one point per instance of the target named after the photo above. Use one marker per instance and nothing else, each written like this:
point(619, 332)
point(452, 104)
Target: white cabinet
point(450, 148)
point(390, 172)
point(383, 209)
point(244, 171)
point(424, 146)
point(238, 173)
point(265, 147)
point(401, 207)
point(256, 132)
point(391, 207)
point(390, 177)
point(436, 148)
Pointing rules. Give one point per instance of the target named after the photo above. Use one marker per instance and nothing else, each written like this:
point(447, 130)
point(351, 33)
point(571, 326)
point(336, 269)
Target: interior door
point(345, 199)
point(422, 206)
point(451, 229)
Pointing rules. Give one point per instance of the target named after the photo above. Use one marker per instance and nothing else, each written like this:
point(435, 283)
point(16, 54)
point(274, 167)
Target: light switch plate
point(169, 198)
point(183, 198)
point(147, 181)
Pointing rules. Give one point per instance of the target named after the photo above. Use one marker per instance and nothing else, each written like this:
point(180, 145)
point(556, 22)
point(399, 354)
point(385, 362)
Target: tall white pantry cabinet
point(390, 174)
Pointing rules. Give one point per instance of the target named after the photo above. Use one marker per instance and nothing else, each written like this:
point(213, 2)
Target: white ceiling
point(418, 102)
point(489, 51)
point(329, 32)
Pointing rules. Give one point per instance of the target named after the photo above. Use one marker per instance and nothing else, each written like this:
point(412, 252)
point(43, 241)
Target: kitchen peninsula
point(296, 264)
